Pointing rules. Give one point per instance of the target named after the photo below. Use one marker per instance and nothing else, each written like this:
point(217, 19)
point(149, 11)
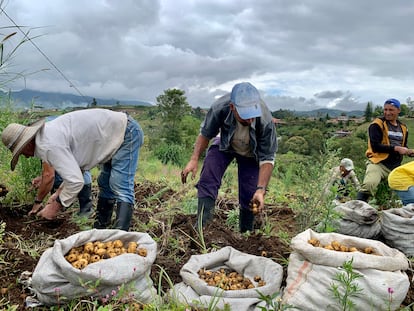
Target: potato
point(368, 250)
point(80, 264)
point(118, 244)
point(314, 242)
point(95, 258)
point(100, 251)
point(71, 257)
point(336, 245)
point(142, 252)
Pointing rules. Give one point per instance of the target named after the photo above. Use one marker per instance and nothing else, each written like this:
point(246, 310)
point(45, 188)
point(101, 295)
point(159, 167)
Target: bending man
point(76, 142)
point(248, 135)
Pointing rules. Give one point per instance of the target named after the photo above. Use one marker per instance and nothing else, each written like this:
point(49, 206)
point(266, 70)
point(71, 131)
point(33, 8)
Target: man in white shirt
point(78, 141)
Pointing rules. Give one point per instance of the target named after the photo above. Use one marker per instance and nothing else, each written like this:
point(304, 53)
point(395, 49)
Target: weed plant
point(310, 204)
point(345, 287)
point(266, 226)
point(18, 181)
point(170, 153)
point(232, 219)
point(384, 197)
point(273, 302)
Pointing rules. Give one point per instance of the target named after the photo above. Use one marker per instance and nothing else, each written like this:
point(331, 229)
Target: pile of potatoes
point(336, 246)
point(228, 280)
point(79, 257)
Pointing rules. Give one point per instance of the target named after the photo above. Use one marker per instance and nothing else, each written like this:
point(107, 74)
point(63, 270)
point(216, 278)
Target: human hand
point(50, 211)
point(258, 200)
point(36, 183)
point(36, 207)
point(403, 150)
point(192, 167)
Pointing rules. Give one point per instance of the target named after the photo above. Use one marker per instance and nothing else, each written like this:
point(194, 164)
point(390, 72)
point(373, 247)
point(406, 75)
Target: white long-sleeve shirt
point(336, 175)
point(78, 141)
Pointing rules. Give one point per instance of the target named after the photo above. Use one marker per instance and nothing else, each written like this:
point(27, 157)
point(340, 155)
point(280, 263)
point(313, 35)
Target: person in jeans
point(76, 142)
point(247, 135)
point(387, 143)
point(401, 180)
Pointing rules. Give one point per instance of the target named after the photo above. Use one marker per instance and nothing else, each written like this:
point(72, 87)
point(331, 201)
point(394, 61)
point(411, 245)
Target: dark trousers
point(84, 196)
point(214, 167)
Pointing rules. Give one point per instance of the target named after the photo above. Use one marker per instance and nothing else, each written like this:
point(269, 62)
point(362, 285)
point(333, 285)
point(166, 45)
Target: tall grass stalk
point(345, 288)
point(310, 204)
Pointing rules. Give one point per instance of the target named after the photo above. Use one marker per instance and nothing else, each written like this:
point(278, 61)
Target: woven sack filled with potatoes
point(228, 277)
point(107, 257)
point(317, 258)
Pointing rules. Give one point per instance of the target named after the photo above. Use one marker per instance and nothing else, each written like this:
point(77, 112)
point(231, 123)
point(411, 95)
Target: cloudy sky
point(301, 55)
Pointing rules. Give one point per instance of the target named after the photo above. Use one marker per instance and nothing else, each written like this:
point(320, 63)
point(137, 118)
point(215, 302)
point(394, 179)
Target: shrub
point(170, 154)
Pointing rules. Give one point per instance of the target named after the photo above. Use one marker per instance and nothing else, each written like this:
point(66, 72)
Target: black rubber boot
point(85, 201)
point(123, 215)
point(104, 211)
point(246, 219)
point(363, 196)
point(205, 211)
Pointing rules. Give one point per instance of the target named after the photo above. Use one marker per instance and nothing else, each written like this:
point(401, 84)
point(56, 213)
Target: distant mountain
point(322, 112)
point(47, 100)
point(29, 98)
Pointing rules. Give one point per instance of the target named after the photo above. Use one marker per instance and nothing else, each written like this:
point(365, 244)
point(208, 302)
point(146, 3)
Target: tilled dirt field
point(25, 236)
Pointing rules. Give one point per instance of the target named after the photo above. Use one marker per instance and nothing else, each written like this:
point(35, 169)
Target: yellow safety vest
point(376, 157)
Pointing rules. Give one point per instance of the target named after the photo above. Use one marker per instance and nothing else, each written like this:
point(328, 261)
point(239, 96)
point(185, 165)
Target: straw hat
point(16, 137)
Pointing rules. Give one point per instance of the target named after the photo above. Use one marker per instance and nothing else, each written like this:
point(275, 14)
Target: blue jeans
point(84, 196)
point(406, 197)
point(214, 167)
point(87, 179)
point(117, 177)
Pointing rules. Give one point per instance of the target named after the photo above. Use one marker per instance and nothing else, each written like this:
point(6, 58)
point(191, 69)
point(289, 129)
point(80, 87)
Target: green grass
point(410, 125)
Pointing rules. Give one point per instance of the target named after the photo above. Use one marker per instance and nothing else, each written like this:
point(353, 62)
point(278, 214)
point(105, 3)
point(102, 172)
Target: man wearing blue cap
point(241, 127)
point(387, 143)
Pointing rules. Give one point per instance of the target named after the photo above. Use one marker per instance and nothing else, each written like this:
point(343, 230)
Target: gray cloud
point(329, 94)
point(300, 55)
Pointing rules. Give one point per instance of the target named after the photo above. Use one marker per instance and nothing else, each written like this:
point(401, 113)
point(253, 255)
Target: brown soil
point(176, 226)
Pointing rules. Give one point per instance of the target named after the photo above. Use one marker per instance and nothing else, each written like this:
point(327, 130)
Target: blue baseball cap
point(394, 102)
point(246, 99)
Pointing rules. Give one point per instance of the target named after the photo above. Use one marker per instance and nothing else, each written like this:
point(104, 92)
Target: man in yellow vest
point(387, 143)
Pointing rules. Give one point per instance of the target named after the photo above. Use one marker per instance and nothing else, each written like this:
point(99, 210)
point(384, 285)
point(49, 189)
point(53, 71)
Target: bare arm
point(200, 146)
point(44, 186)
point(48, 178)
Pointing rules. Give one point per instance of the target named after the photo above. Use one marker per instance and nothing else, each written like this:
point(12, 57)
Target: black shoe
point(363, 196)
point(123, 215)
point(104, 211)
point(246, 220)
point(205, 211)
